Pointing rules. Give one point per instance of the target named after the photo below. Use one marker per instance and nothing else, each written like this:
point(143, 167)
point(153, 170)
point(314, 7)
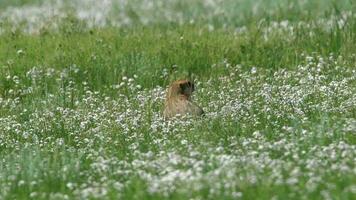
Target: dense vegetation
point(82, 86)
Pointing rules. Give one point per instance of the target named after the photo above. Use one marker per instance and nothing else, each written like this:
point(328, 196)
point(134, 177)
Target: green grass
point(80, 106)
point(4, 4)
point(107, 55)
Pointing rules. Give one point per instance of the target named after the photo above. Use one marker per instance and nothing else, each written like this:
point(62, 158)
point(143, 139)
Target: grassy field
point(82, 86)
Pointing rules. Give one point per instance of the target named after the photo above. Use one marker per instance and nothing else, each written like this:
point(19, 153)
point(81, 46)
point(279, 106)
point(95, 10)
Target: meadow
point(82, 86)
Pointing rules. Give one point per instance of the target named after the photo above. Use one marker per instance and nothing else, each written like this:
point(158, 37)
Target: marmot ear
point(191, 85)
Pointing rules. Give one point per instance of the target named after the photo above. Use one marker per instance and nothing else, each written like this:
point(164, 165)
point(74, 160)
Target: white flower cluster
point(288, 129)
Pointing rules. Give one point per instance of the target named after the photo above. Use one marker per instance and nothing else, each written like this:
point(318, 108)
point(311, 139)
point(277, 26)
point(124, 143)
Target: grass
point(111, 54)
point(81, 101)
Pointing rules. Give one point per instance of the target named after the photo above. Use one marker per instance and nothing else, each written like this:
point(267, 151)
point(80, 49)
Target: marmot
point(178, 100)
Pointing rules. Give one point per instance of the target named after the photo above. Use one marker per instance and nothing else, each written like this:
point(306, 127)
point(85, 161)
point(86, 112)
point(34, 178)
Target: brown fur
point(178, 100)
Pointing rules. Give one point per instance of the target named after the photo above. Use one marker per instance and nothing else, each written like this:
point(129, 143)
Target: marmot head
point(181, 88)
